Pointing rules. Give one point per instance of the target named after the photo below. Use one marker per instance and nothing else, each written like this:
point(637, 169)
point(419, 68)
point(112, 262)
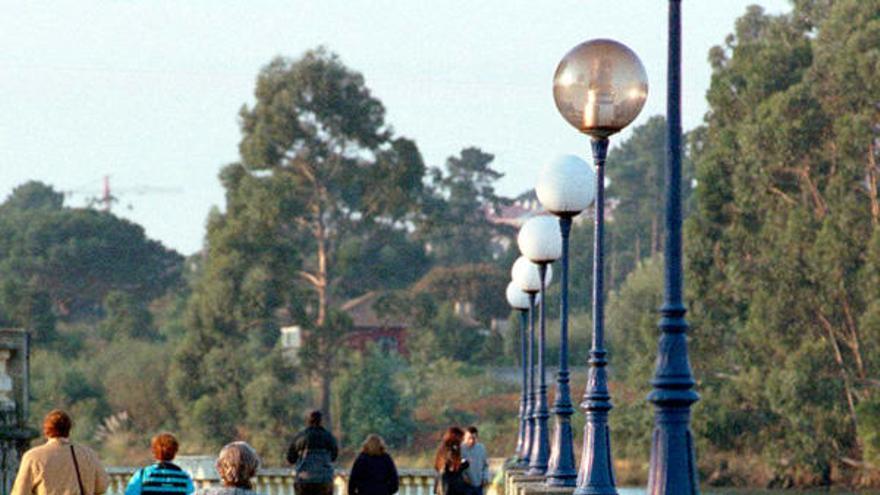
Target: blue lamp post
point(673, 463)
point(565, 188)
point(599, 87)
point(519, 301)
point(533, 279)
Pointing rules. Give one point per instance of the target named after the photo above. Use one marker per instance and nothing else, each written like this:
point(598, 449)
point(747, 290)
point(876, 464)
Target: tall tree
point(780, 242)
point(455, 216)
point(227, 370)
point(316, 125)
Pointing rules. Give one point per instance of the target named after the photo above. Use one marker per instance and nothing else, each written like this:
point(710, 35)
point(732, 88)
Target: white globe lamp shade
point(516, 297)
point(566, 186)
point(540, 239)
point(526, 276)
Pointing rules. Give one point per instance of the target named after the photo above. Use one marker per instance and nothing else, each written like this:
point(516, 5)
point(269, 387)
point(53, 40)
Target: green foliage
point(371, 401)
point(783, 234)
point(869, 429)
point(126, 316)
point(450, 336)
point(477, 285)
point(75, 257)
point(453, 222)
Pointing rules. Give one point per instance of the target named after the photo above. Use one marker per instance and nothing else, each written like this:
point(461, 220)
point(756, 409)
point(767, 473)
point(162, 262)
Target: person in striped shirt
point(164, 477)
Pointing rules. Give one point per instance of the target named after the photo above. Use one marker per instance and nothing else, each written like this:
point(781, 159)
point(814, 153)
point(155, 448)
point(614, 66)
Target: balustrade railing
point(280, 481)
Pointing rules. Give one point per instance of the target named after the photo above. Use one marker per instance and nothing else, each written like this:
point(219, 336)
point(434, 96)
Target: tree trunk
point(872, 186)
point(326, 386)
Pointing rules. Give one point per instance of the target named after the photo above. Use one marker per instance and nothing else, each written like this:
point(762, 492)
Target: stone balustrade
point(280, 481)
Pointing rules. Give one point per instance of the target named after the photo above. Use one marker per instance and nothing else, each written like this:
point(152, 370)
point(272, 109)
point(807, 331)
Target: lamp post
point(599, 87)
point(519, 301)
point(540, 241)
point(528, 276)
point(565, 188)
point(673, 463)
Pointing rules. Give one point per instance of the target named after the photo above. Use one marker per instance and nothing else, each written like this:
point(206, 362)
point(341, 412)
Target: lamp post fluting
point(599, 87)
point(532, 279)
point(519, 301)
point(565, 188)
point(673, 463)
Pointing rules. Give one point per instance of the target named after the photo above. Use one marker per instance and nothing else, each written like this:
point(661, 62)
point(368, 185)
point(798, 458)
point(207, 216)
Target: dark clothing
point(373, 475)
point(453, 481)
point(312, 452)
point(313, 488)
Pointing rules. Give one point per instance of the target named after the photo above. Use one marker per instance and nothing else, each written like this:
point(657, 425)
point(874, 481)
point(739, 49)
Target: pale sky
point(148, 91)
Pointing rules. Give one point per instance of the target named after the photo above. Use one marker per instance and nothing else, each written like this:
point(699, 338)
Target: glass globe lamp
point(600, 86)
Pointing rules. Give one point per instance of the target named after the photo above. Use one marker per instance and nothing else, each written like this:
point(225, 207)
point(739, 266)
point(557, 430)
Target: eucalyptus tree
point(317, 127)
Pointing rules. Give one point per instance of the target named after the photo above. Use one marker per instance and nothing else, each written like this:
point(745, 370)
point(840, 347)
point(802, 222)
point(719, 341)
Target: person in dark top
point(312, 453)
point(373, 472)
point(450, 467)
point(164, 477)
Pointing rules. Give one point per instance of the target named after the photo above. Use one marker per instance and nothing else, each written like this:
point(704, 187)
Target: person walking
point(312, 452)
point(58, 466)
point(373, 471)
point(450, 466)
point(236, 464)
point(474, 452)
point(162, 477)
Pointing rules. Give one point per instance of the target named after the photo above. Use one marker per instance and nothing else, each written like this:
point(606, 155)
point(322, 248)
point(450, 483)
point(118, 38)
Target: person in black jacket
point(312, 452)
point(451, 468)
point(373, 472)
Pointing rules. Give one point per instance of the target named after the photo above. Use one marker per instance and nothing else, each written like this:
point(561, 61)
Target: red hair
point(449, 452)
point(164, 447)
point(57, 424)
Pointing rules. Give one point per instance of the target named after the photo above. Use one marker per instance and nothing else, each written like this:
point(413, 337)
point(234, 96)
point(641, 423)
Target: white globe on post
point(525, 275)
point(566, 186)
point(516, 297)
point(540, 239)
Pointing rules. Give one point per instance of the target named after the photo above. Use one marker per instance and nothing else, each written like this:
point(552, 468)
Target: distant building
point(291, 341)
point(388, 332)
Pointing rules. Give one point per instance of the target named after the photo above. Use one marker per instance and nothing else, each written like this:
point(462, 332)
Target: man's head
point(164, 447)
point(314, 418)
point(471, 436)
point(57, 424)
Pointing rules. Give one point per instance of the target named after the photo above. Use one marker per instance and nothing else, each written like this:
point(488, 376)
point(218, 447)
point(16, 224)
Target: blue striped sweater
point(161, 478)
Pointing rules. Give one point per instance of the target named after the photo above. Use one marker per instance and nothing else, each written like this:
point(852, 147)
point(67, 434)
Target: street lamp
point(673, 463)
point(599, 87)
point(526, 275)
point(565, 188)
point(540, 241)
point(519, 301)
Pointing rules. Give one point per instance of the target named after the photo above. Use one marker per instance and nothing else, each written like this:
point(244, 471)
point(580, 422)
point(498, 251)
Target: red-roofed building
point(388, 332)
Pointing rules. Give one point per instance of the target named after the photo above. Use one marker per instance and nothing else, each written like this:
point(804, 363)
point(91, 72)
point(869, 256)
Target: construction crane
point(105, 197)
